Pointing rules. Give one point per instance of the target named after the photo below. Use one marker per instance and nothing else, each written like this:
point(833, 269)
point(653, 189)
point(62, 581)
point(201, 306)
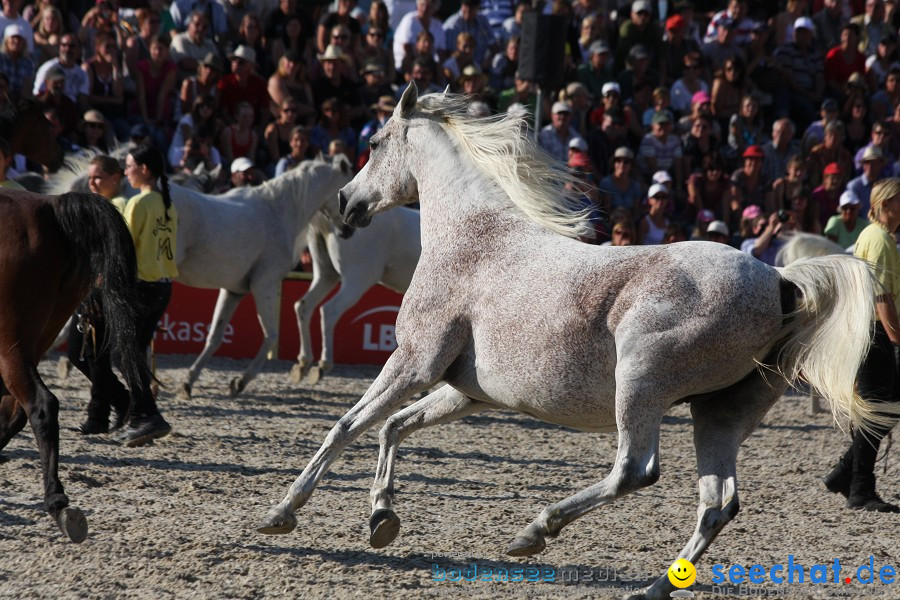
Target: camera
point(783, 215)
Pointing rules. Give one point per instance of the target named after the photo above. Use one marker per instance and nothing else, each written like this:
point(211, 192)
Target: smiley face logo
point(682, 573)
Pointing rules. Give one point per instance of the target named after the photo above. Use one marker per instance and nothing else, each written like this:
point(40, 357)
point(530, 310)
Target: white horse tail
point(832, 333)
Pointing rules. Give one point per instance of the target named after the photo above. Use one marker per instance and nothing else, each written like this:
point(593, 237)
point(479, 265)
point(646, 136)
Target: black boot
point(862, 494)
point(839, 479)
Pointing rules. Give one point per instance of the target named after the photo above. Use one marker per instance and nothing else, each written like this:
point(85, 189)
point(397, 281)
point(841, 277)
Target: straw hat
point(94, 116)
point(245, 52)
point(333, 52)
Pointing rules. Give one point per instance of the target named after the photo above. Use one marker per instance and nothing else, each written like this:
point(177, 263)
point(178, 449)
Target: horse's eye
point(373, 145)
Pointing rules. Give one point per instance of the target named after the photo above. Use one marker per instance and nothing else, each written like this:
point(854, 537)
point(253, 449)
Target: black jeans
point(106, 390)
point(878, 381)
point(154, 297)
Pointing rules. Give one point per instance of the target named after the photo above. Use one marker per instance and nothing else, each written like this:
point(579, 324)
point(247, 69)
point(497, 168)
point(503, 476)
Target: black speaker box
point(542, 49)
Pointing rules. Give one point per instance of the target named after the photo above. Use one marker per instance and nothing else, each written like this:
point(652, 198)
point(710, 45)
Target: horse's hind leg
point(324, 280)
point(12, 418)
point(267, 298)
point(226, 304)
point(721, 424)
point(42, 407)
point(443, 406)
point(636, 466)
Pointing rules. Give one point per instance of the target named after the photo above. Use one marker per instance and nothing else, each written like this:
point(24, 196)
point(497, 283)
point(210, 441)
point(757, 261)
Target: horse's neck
point(453, 195)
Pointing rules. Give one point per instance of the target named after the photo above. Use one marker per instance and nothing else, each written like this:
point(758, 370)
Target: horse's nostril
point(343, 201)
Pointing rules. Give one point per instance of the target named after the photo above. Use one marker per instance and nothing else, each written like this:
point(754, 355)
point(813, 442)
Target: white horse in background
point(512, 314)
point(246, 241)
point(385, 253)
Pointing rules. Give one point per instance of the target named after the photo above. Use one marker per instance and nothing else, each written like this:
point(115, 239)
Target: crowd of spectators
point(749, 117)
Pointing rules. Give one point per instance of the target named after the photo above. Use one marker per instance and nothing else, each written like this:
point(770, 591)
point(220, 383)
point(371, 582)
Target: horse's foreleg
point(42, 407)
point(324, 280)
point(267, 299)
point(721, 424)
point(226, 304)
point(400, 379)
point(353, 286)
point(443, 406)
point(636, 466)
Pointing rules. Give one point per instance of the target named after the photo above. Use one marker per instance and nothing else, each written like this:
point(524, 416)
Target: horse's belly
point(586, 403)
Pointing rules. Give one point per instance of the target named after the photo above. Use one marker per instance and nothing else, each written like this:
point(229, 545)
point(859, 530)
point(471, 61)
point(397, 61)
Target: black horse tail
point(100, 243)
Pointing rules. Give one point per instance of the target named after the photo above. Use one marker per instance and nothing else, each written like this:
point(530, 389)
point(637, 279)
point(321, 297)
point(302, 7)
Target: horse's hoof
point(236, 386)
point(278, 523)
point(72, 522)
point(526, 546)
point(184, 392)
point(315, 374)
point(298, 371)
point(384, 526)
point(63, 367)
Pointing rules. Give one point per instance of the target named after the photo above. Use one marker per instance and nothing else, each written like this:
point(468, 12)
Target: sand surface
point(177, 519)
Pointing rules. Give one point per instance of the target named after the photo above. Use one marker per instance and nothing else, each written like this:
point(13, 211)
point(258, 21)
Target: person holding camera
point(770, 240)
point(877, 379)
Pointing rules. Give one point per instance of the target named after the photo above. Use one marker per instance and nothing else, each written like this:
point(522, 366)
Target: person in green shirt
point(878, 379)
point(153, 223)
point(844, 228)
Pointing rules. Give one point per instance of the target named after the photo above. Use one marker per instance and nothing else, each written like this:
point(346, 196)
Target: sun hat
point(751, 212)
point(832, 168)
point(578, 143)
point(872, 153)
point(623, 152)
point(94, 116)
point(372, 66)
point(753, 151)
point(212, 60)
point(610, 87)
point(245, 52)
point(575, 88)
point(700, 97)
point(717, 227)
point(661, 116)
point(385, 104)
point(241, 164)
point(599, 47)
point(14, 29)
point(656, 189)
point(332, 52)
point(661, 177)
point(848, 198)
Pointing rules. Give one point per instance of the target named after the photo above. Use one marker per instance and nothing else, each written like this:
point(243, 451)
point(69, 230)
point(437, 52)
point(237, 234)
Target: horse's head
point(386, 180)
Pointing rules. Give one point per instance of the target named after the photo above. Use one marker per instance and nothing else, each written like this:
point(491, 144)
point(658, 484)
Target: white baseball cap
point(662, 177)
point(560, 107)
point(718, 227)
point(657, 188)
point(804, 23)
point(849, 198)
point(612, 86)
point(241, 164)
point(578, 143)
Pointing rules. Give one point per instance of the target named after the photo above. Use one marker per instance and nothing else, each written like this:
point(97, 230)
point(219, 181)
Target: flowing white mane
point(501, 148)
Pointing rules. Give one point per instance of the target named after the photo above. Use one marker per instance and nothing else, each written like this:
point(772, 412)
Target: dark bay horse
point(53, 250)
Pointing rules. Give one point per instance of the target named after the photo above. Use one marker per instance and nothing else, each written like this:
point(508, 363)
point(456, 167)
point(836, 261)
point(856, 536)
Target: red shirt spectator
point(243, 84)
point(844, 60)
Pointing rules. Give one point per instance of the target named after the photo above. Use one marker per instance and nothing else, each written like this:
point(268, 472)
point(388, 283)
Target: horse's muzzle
point(357, 216)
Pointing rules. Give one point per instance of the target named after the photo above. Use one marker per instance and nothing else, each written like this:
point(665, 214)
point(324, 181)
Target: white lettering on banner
point(185, 331)
point(387, 338)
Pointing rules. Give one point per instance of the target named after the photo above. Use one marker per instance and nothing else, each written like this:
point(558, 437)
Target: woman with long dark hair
point(153, 223)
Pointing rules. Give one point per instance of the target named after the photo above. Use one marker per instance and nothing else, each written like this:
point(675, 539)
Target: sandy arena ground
point(177, 519)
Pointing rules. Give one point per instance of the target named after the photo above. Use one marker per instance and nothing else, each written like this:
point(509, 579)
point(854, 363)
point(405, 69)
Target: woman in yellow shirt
point(153, 223)
point(878, 378)
point(86, 349)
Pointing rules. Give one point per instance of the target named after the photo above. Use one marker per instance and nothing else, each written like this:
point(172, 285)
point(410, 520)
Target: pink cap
point(700, 97)
point(751, 212)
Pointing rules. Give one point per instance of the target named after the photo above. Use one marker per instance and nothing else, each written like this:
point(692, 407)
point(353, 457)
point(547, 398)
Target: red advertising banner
point(364, 335)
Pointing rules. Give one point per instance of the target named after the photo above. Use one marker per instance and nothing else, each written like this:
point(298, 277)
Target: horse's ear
point(343, 163)
point(407, 101)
